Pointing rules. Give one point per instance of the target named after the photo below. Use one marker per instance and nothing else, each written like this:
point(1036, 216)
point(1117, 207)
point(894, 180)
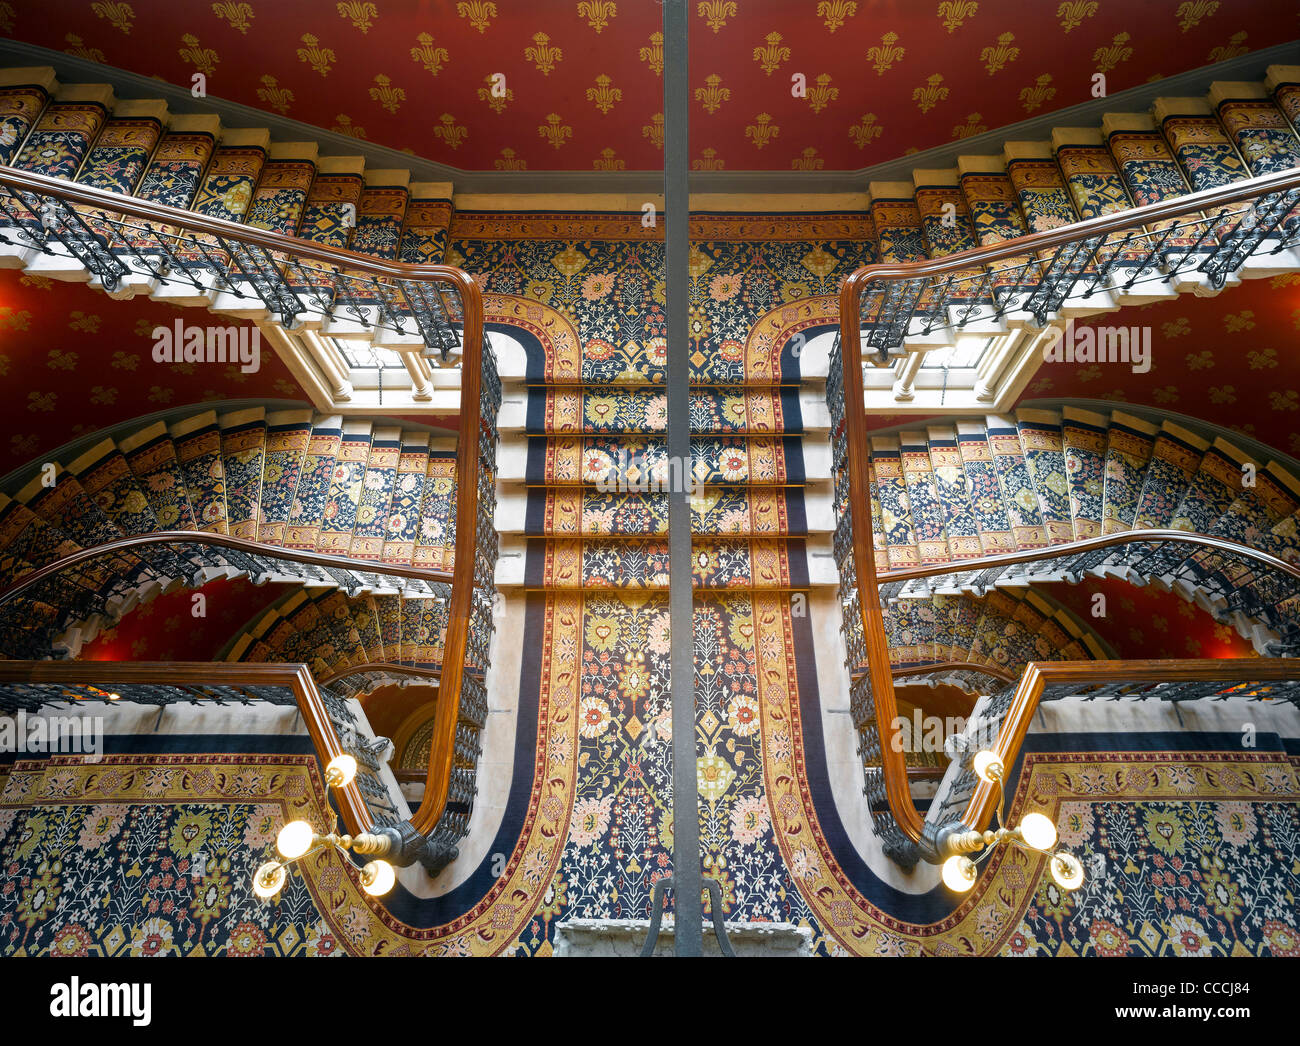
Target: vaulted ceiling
point(583, 85)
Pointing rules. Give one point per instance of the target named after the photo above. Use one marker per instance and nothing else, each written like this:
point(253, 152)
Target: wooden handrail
point(1039, 675)
point(467, 460)
point(296, 677)
point(202, 537)
point(432, 675)
point(875, 640)
point(1082, 545)
point(995, 671)
point(1117, 221)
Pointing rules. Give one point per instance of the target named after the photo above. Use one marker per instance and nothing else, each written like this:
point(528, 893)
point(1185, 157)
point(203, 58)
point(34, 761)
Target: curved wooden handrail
point(994, 671)
point(101, 199)
point(1117, 221)
point(855, 435)
point(1076, 548)
point(296, 677)
point(467, 461)
point(1038, 675)
point(387, 667)
point(201, 537)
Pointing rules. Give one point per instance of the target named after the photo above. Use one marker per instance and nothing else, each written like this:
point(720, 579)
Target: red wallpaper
point(82, 362)
point(76, 361)
point(584, 79)
point(167, 630)
point(1229, 360)
point(1148, 623)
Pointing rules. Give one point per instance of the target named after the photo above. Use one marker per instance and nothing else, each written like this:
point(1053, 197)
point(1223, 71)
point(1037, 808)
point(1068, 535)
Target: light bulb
point(340, 771)
point(988, 767)
point(268, 879)
point(959, 873)
point(377, 878)
point(1067, 870)
point(294, 840)
point(1038, 831)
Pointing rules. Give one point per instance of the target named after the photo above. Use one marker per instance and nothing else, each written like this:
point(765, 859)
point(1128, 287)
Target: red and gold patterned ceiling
point(582, 85)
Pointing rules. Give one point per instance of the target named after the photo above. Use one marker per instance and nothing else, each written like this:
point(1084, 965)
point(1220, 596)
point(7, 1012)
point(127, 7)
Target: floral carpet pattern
point(1188, 851)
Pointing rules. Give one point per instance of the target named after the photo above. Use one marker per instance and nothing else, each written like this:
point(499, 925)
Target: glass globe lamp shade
point(269, 879)
point(958, 873)
point(1038, 831)
point(294, 840)
point(341, 770)
point(987, 766)
point(1067, 871)
point(377, 878)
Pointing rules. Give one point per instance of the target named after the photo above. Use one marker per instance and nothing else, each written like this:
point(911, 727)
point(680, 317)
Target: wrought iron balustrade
point(127, 245)
point(1001, 721)
point(1206, 237)
point(334, 728)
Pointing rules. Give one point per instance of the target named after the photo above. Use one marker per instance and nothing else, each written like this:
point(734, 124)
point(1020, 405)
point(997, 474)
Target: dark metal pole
point(687, 872)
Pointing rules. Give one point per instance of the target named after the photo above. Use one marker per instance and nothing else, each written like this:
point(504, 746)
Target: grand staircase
point(355, 644)
point(297, 480)
point(582, 509)
point(1040, 478)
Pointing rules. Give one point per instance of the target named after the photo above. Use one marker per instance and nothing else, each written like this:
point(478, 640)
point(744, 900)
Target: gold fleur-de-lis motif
point(996, 56)
point(542, 54)
point(319, 58)
point(57, 359)
point(866, 131)
point(480, 15)
point(1041, 91)
point(955, 12)
point(432, 58)
point(654, 130)
point(362, 15)
point(712, 94)
point(597, 12)
point(821, 94)
point(450, 131)
point(82, 321)
point(343, 125)
point(555, 130)
point(1191, 13)
point(970, 128)
point(119, 16)
point(885, 54)
point(762, 130)
point(836, 12)
point(708, 161)
point(497, 101)
point(770, 57)
point(931, 93)
point(1073, 12)
point(607, 161)
point(7, 14)
point(808, 160)
point(510, 162)
point(272, 94)
point(604, 95)
point(654, 54)
point(77, 46)
point(1235, 46)
point(716, 12)
point(237, 15)
point(390, 97)
point(204, 59)
point(1109, 57)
